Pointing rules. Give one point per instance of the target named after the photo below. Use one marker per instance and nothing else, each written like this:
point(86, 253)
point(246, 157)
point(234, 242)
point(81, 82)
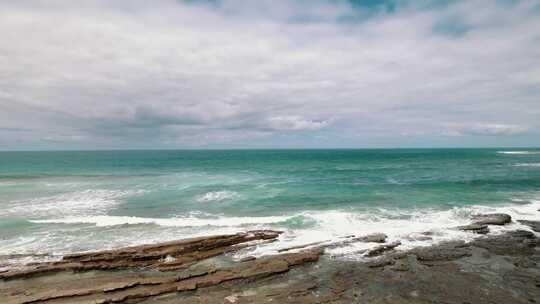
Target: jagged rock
point(475, 228)
point(492, 219)
point(535, 225)
point(381, 249)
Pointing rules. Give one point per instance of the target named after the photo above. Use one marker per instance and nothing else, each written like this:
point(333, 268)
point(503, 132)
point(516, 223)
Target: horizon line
point(262, 149)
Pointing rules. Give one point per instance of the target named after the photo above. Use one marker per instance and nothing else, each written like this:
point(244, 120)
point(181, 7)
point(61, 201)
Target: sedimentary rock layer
point(494, 268)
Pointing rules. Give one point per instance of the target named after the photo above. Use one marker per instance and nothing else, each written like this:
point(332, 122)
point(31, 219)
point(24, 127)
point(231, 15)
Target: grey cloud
point(15, 129)
point(296, 123)
point(489, 129)
point(177, 74)
point(147, 117)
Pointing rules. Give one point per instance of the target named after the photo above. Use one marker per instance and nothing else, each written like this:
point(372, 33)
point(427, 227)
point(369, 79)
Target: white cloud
point(295, 123)
point(172, 73)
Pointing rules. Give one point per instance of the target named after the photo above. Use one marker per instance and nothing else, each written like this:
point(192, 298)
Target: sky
point(164, 74)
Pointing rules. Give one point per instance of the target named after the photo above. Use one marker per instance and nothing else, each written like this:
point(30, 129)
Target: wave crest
point(527, 165)
point(217, 196)
point(86, 202)
point(519, 152)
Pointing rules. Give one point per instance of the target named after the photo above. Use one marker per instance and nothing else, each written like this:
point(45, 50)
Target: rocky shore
point(493, 268)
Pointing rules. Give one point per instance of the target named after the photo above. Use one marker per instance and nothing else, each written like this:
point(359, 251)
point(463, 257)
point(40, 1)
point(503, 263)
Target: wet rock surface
point(492, 219)
point(168, 256)
point(535, 225)
point(475, 228)
point(502, 268)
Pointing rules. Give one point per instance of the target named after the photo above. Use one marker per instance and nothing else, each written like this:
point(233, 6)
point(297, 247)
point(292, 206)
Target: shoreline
point(404, 225)
point(501, 267)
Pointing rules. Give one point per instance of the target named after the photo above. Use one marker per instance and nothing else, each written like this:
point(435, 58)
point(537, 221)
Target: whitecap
point(527, 165)
point(90, 201)
point(519, 152)
point(108, 220)
point(217, 196)
point(406, 226)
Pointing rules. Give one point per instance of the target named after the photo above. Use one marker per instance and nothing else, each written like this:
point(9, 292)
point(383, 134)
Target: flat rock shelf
point(493, 268)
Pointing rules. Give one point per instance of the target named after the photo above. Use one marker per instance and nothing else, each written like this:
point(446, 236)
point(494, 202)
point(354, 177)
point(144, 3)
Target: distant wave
point(217, 196)
point(527, 165)
point(519, 152)
point(91, 201)
point(106, 220)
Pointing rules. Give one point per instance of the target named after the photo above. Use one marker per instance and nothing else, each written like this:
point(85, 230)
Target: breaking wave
point(217, 196)
point(410, 227)
point(86, 202)
point(527, 165)
point(106, 220)
point(519, 152)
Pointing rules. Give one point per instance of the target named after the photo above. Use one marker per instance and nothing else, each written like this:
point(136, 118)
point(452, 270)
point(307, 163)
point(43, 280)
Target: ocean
point(53, 203)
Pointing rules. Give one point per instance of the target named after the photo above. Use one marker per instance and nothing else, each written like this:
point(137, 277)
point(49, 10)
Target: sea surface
point(59, 202)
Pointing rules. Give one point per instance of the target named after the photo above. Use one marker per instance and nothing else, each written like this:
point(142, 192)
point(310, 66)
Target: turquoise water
point(59, 202)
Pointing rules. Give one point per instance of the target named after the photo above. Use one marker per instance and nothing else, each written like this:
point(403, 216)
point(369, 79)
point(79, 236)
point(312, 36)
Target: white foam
point(519, 152)
point(527, 165)
point(87, 202)
point(406, 226)
point(8, 183)
point(106, 220)
point(217, 196)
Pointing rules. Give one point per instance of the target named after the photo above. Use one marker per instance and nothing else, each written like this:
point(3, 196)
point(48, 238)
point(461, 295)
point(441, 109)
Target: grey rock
point(380, 262)
point(475, 228)
point(383, 248)
point(513, 243)
point(372, 238)
point(446, 251)
point(535, 225)
point(492, 219)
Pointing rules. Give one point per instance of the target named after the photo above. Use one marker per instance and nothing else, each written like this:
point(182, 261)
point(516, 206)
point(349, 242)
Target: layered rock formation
point(500, 268)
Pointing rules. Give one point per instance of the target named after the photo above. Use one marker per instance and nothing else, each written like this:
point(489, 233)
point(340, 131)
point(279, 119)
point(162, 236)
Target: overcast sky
point(268, 74)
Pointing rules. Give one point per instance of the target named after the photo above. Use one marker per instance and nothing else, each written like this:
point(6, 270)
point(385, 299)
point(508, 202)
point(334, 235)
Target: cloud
point(295, 123)
point(486, 129)
point(240, 73)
